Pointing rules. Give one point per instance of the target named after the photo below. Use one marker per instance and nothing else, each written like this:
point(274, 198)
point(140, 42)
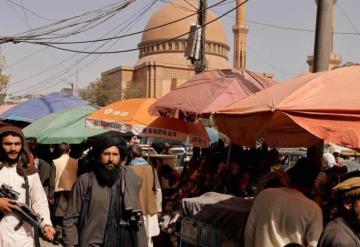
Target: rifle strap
point(27, 191)
point(27, 201)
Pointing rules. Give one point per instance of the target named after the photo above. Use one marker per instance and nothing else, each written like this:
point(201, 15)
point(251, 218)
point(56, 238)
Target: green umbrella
point(65, 126)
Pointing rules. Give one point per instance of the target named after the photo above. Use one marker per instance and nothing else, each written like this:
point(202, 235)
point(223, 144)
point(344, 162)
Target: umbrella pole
point(228, 161)
point(315, 153)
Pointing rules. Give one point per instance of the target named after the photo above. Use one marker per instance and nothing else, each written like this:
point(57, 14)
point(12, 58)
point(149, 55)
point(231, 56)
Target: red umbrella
point(300, 112)
point(208, 92)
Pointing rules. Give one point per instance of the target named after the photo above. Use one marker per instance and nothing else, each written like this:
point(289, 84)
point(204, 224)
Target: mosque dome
point(172, 52)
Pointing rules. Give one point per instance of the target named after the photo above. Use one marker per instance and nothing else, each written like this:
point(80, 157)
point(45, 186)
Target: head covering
point(24, 166)
point(107, 140)
point(348, 188)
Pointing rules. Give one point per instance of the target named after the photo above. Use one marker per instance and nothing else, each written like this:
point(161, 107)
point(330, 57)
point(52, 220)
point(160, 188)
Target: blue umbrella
point(213, 134)
point(39, 107)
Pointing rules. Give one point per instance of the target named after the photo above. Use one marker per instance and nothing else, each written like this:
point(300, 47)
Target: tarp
point(208, 92)
point(4, 108)
point(299, 112)
point(66, 126)
point(132, 115)
point(39, 107)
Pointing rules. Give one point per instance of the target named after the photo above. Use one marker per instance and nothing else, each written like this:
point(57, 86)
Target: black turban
point(107, 140)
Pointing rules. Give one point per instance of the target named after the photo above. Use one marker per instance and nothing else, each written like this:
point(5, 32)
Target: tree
point(132, 92)
point(101, 92)
point(104, 91)
point(4, 79)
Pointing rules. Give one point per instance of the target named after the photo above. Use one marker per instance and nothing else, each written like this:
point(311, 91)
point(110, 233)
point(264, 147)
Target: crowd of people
point(108, 194)
point(110, 198)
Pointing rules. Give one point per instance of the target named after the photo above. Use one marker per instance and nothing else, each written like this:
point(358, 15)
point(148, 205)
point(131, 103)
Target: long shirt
point(24, 235)
point(281, 216)
point(96, 219)
point(338, 233)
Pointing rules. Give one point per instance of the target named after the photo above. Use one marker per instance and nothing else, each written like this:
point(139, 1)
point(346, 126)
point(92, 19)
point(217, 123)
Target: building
point(162, 66)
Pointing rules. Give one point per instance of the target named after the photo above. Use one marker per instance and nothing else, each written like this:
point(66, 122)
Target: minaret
point(335, 59)
point(240, 30)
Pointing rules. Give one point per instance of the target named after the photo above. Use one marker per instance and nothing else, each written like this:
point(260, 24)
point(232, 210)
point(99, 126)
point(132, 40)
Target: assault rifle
point(24, 212)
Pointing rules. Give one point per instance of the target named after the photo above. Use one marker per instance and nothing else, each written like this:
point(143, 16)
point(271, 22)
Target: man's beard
point(106, 176)
point(11, 161)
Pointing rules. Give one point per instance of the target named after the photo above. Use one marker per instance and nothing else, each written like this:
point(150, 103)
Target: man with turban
point(104, 209)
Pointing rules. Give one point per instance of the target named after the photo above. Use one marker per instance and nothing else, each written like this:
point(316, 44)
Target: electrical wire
point(263, 60)
point(30, 11)
point(56, 65)
point(348, 19)
point(114, 43)
point(127, 35)
point(51, 29)
point(144, 47)
point(64, 72)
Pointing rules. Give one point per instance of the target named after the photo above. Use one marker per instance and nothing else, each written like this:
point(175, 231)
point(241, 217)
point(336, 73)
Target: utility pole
point(200, 64)
point(323, 35)
point(322, 50)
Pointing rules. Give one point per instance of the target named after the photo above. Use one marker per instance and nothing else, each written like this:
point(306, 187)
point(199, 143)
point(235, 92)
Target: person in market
point(46, 171)
point(344, 231)
point(66, 169)
point(285, 215)
point(166, 149)
point(105, 209)
point(15, 171)
point(150, 192)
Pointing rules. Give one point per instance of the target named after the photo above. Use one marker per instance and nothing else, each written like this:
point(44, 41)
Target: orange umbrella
point(132, 115)
point(299, 112)
point(4, 108)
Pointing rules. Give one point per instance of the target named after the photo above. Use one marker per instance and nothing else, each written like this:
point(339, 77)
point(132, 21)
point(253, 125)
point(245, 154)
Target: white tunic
point(281, 216)
point(24, 235)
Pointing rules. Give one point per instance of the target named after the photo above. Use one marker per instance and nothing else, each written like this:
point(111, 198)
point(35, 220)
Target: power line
point(30, 11)
point(25, 15)
point(263, 60)
point(144, 47)
point(348, 19)
point(138, 17)
point(99, 14)
point(189, 3)
point(288, 27)
point(26, 57)
point(64, 72)
point(131, 34)
point(56, 65)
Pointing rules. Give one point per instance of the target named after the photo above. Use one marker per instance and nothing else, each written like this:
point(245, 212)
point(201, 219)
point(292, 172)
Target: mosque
point(163, 67)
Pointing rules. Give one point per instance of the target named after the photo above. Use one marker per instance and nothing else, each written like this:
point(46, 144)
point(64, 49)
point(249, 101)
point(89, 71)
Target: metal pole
point(322, 50)
point(200, 65)
point(323, 35)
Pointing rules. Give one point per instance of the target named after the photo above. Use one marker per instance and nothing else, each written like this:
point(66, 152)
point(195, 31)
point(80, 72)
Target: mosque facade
point(162, 66)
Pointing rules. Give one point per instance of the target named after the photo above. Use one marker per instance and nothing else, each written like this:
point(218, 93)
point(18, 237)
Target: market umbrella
point(132, 115)
point(36, 108)
point(4, 108)
point(208, 92)
point(66, 126)
point(299, 112)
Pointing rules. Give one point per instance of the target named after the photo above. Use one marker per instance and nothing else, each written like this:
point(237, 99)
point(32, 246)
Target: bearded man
point(344, 231)
point(104, 209)
point(23, 178)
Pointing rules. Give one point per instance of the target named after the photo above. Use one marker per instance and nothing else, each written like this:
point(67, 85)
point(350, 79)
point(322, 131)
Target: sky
point(283, 52)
